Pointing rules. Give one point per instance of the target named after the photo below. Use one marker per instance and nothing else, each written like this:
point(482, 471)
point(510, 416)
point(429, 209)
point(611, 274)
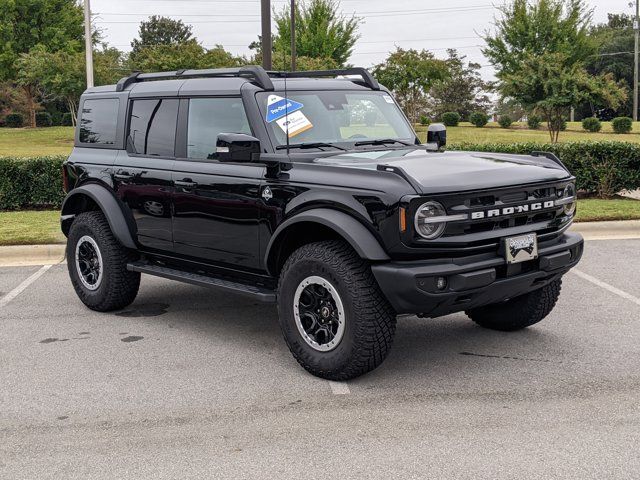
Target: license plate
point(522, 248)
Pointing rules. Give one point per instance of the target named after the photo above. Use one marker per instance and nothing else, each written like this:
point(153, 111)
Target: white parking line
point(339, 388)
point(607, 287)
point(23, 286)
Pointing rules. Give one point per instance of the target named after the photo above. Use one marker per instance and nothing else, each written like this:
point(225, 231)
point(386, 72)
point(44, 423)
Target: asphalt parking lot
point(189, 383)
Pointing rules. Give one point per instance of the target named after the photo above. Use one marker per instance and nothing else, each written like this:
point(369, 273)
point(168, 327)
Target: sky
point(434, 25)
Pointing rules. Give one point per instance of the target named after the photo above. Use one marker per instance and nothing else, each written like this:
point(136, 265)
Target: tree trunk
point(31, 104)
point(73, 109)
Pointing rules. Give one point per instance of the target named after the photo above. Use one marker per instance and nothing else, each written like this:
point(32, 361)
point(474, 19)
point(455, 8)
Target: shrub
point(534, 122)
point(601, 168)
point(479, 119)
point(43, 119)
point(451, 119)
point(56, 119)
point(14, 120)
point(622, 124)
point(591, 124)
point(424, 120)
point(67, 120)
point(31, 182)
point(505, 121)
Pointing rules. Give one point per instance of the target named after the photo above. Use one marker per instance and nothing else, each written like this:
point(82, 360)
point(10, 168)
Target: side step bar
point(257, 293)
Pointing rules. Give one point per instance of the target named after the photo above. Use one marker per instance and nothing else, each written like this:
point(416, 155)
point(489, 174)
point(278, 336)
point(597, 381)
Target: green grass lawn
point(43, 227)
point(30, 228)
point(35, 142)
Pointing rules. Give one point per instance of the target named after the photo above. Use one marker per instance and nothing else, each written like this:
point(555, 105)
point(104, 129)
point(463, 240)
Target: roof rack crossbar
point(253, 72)
point(368, 79)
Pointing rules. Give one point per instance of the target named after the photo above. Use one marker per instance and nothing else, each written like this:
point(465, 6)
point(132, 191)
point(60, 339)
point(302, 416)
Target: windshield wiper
point(382, 141)
point(310, 145)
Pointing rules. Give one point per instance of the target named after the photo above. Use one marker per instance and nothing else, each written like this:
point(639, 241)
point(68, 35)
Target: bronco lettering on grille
point(500, 212)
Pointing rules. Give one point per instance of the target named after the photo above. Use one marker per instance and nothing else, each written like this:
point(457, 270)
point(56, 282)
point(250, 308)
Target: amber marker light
point(403, 219)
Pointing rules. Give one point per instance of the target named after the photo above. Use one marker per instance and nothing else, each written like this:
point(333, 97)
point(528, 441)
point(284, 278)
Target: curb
point(23, 255)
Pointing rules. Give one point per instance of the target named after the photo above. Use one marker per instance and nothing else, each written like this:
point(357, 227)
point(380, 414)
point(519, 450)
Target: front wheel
point(520, 312)
point(333, 316)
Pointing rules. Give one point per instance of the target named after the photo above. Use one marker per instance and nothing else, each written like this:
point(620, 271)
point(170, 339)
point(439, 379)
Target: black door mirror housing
point(237, 147)
point(437, 135)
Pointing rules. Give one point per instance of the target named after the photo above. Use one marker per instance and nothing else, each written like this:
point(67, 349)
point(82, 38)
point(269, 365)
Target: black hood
point(434, 172)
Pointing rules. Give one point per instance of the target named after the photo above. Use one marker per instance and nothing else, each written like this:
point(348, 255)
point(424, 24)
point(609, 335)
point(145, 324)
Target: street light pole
point(636, 28)
point(293, 35)
point(87, 43)
point(266, 35)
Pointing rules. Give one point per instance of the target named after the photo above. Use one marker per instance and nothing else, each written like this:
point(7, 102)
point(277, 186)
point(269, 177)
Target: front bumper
point(473, 281)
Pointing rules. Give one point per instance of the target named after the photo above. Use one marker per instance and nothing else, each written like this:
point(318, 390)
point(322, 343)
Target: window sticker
point(278, 107)
point(294, 124)
point(388, 99)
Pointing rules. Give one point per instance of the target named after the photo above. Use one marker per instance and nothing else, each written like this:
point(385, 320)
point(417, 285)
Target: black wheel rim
point(89, 262)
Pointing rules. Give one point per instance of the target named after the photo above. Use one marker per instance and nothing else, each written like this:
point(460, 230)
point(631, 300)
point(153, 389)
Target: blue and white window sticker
point(287, 114)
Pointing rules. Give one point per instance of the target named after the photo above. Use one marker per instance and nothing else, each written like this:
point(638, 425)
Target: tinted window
point(152, 129)
point(98, 121)
point(209, 117)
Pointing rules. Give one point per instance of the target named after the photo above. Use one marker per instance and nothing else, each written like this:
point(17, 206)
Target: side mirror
point(237, 147)
point(437, 135)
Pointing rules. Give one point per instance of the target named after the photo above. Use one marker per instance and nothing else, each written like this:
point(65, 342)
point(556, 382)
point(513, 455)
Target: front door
point(216, 205)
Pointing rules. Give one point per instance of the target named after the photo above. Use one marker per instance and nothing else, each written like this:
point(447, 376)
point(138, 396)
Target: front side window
point(335, 117)
point(99, 121)
point(209, 117)
point(152, 127)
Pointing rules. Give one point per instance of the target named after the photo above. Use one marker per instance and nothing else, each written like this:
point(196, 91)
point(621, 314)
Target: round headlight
point(426, 222)
point(570, 192)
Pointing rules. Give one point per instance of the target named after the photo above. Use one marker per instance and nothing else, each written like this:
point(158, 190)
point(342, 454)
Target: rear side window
point(152, 128)
point(208, 117)
point(99, 121)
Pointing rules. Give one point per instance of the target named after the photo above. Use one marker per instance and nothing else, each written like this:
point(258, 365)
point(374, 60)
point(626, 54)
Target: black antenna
point(286, 111)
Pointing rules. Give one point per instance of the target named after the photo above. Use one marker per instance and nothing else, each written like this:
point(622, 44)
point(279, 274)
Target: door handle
point(123, 176)
point(185, 183)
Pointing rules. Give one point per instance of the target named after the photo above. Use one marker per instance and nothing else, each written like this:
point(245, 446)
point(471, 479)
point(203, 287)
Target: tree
point(188, 55)
point(321, 32)
point(462, 91)
point(56, 25)
point(539, 50)
point(410, 74)
point(160, 30)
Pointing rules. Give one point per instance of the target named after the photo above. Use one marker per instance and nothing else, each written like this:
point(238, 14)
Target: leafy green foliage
point(424, 120)
point(592, 124)
point(622, 125)
point(321, 32)
point(410, 75)
point(40, 183)
point(43, 119)
point(14, 120)
point(159, 30)
point(479, 119)
point(534, 122)
point(67, 120)
point(601, 168)
point(451, 119)
point(505, 121)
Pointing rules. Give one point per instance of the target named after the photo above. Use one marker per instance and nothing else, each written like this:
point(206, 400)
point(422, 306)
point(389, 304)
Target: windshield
point(333, 118)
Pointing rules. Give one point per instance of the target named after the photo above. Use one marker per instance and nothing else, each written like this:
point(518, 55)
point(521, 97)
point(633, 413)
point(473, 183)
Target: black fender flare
point(110, 206)
point(354, 232)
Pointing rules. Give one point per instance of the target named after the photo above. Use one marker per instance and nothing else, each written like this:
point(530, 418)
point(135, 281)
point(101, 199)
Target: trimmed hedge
point(14, 120)
point(505, 121)
point(479, 119)
point(534, 122)
point(43, 119)
point(601, 168)
point(592, 124)
point(622, 125)
point(31, 183)
point(451, 119)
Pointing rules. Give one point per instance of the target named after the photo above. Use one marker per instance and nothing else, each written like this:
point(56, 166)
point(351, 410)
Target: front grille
point(477, 235)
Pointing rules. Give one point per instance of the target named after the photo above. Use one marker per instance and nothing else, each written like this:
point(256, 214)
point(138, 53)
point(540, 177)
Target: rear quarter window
point(99, 121)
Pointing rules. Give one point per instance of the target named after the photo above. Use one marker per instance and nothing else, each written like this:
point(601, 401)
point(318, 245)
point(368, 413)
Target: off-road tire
point(370, 321)
point(119, 286)
point(520, 312)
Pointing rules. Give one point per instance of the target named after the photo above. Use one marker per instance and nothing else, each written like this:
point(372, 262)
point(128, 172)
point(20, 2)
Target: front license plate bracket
point(521, 248)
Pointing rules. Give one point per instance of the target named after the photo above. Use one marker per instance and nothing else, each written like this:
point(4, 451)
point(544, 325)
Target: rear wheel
point(97, 264)
point(333, 316)
point(520, 312)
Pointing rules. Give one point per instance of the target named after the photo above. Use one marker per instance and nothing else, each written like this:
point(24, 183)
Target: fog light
point(441, 283)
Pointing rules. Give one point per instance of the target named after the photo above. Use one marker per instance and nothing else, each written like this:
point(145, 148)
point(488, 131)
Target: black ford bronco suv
point(310, 190)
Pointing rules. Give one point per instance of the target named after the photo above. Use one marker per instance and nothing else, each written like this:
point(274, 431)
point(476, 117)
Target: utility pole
point(293, 35)
point(88, 47)
point(636, 28)
point(266, 34)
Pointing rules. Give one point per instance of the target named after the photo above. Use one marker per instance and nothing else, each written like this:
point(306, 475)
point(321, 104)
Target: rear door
point(142, 173)
point(216, 205)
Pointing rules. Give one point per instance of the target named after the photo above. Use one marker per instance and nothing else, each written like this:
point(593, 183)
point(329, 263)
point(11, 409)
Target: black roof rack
point(367, 78)
point(256, 74)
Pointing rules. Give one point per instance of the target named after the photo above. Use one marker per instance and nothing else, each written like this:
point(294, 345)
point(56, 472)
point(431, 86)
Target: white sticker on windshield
point(294, 124)
point(278, 107)
point(388, 99)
